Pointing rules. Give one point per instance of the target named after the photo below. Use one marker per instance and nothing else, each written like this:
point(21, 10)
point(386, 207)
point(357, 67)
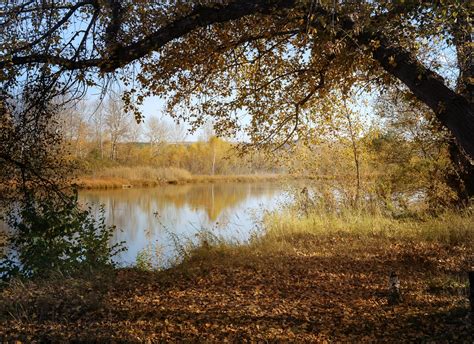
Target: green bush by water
point(56, 235)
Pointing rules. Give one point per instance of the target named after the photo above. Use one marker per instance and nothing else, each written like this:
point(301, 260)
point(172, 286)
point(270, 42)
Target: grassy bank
point(144, 176)
point(117, 177)
point(316, 278)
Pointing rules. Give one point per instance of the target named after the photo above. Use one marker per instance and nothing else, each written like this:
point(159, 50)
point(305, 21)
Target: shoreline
point(94, 183)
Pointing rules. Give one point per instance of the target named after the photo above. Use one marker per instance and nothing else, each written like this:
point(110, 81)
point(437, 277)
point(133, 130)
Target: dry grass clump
point(144, 173)
point(237, 178)
point(140, 176)
point(449, 228)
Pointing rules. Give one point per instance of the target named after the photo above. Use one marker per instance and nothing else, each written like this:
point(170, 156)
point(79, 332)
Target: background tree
point(31, 153)
point(75, 128)
point(415, 152)
point(98, 126)
point(157, 133)
point(118, 123)
point(353, 130)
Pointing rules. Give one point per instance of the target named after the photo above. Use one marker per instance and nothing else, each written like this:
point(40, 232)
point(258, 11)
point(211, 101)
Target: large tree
point(282, 63)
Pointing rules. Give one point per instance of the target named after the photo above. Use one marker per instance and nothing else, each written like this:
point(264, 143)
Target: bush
point(56, 235)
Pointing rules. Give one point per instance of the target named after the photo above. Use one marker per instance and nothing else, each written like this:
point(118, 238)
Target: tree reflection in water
point(229, 210)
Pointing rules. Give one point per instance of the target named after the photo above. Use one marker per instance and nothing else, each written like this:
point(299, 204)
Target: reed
point(146, 176)
point(450, 227)
point(140, 176)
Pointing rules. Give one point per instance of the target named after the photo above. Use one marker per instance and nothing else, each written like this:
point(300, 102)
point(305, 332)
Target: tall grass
point(241, 178)
point(144, 173)
point(449, 227)
point(327, 232)
point(116, 177)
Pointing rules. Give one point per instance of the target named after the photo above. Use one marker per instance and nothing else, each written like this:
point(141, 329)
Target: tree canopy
point(285, 63)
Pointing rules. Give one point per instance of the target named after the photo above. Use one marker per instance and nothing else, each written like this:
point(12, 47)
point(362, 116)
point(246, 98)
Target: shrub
point(58, 235)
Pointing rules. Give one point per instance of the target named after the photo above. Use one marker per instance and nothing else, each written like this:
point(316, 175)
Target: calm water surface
point(154, 219)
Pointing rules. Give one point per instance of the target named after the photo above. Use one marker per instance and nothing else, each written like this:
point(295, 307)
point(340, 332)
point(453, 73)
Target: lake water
point(158, 220)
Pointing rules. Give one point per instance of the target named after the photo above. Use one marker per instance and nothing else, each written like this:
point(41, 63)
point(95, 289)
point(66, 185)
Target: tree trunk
point(355, 155)
point(463, 179)
point(453, 110)
point(213, 159)
point(471, 291)
point(101, 146)
point(113, 153)
point(394, 296)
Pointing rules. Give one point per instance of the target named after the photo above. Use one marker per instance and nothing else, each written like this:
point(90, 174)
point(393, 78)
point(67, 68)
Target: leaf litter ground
point(311, 290)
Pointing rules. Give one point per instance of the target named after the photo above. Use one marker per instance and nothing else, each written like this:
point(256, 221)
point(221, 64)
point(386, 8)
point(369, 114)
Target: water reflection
point(154, 216)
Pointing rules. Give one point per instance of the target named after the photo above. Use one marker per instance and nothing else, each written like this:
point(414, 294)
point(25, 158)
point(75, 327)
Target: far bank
point(144, 176)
